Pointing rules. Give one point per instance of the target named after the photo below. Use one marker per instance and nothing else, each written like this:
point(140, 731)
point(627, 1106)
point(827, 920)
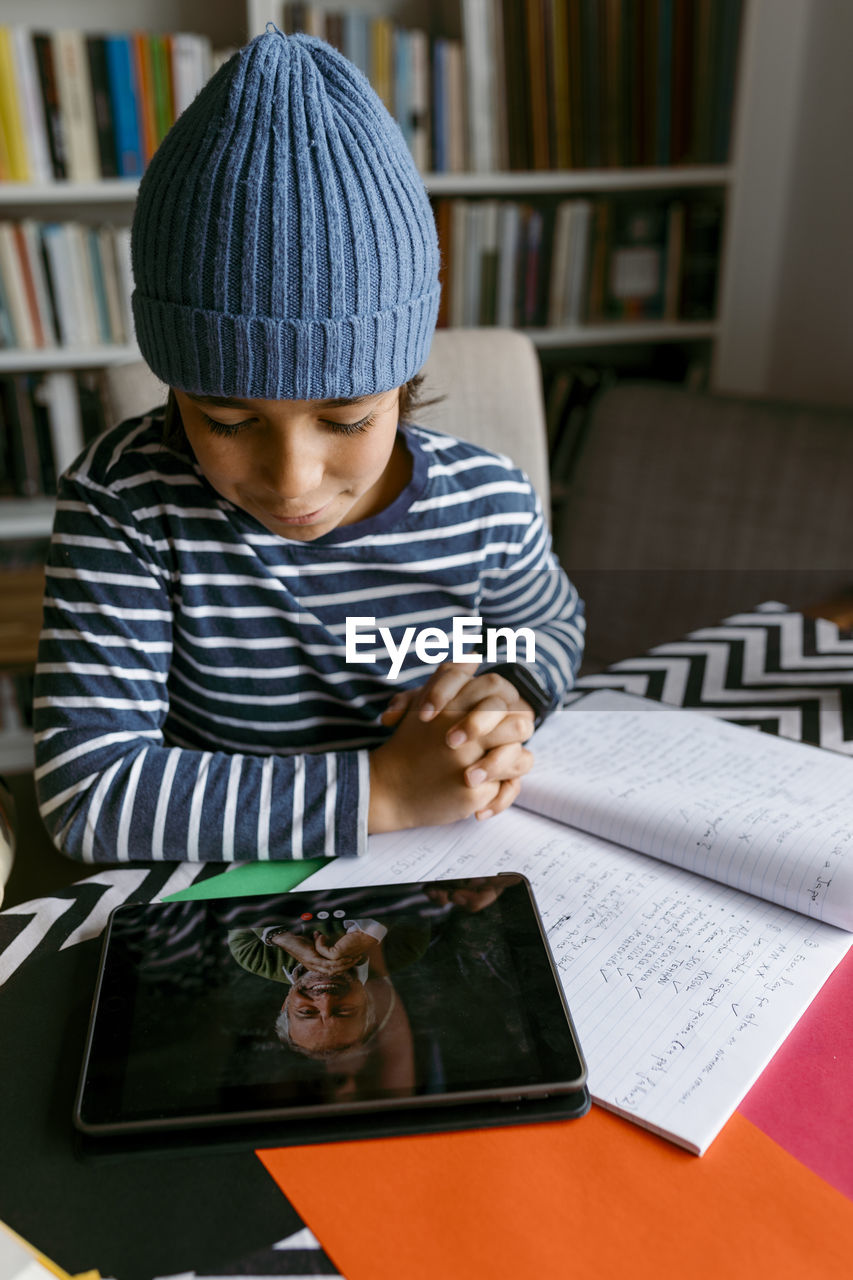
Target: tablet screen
point(292, 1005)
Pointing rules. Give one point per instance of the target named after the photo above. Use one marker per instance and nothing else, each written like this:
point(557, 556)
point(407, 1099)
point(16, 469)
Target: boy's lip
point(309, 518)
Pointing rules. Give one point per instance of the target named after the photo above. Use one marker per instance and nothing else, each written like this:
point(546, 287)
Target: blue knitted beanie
point(283, 244)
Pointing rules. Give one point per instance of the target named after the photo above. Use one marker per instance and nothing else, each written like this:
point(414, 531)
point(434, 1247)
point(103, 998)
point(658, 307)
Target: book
point(77, 105)
point(18, 420)
point(11, 113)
point(124, 98)
point(15, 289)
point(96, 49)
point(703, 224)
point(478, 41)
point(29, 240)
point(143, 80)
point(636, 267)
point(56, 140)
point(696, 883)
point(57, 396)
point(32, 105)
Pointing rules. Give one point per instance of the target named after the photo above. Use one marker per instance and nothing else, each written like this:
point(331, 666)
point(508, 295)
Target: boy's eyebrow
point(232, 402)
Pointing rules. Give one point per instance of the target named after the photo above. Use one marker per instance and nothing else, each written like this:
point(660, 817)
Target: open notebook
point(696, 883)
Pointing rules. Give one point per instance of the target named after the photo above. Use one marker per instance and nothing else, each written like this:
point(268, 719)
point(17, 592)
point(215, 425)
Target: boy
point(193, 699)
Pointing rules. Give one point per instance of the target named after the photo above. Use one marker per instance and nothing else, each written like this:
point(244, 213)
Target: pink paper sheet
point(804, 1098)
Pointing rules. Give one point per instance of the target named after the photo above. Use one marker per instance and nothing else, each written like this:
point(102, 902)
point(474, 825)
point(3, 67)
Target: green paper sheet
point(250, 880)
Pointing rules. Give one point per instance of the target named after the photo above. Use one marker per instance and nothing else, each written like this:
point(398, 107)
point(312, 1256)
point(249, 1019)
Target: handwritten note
point(765, 815)
point(681, 989)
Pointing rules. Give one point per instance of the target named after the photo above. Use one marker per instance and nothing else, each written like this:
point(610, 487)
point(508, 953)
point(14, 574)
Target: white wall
point(812, 336)
point(787, 284)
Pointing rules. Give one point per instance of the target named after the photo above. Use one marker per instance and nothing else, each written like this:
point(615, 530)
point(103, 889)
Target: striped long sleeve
point(193, 699)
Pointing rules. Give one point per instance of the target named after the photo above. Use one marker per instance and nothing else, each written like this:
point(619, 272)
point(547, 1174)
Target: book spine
point(470, 265)
point(559, 263)
point(443, 211)
point(501, 122)
point(577, 91)
point(32, 105)
point(31, 298)
point(187, 74)
point(83, 283)
point(723, 91)
point(59, 274)
point(513, 85)
point(674, 255)
point(663, 122)
point(456, 309)
point(381, 60)
point(633, 106)
point(121, 240)
point(611, 83)
point(15, 289)
point(488, 262)
point(538, 82)
point(591, 73)
point(162, 86)
point(96, 50)
point(112, 288)
point(561, 102)
point(686, 80)
point(420, 101)
point(479, 76)
point(144, 83)
point(401, 83)
point(599, 255)
point(99, 295)
point(125, 105)
point(458, 109)
point(30, 232)
point(26, 463)
point(11, 116)
point(7, 328)
point(56, 139)
point(579, 256)
point(78, 111)
point(439, 161)
point(508, 247)
point(702, 233)
point(57, 394)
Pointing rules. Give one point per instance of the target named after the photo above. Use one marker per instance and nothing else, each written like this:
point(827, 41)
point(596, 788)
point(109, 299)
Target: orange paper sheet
point(593, 1197)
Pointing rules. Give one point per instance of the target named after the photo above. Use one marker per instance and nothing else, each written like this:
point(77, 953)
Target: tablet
point(434, 1001)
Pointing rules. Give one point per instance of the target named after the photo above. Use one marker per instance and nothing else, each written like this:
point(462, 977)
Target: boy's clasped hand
point(457, 749)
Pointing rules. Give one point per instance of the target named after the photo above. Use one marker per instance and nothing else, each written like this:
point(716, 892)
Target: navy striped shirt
point(192, 697)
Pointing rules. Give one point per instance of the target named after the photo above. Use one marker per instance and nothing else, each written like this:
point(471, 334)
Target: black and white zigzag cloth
point(296, 1257)
point(770, 669)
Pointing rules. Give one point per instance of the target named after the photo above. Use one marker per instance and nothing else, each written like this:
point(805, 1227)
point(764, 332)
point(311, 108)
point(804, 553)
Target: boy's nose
point(293, 473)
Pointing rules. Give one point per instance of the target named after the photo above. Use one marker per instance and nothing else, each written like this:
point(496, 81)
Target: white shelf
point(14, 359)
point(637, 331)
point(535, 182)
point(566, 181)
point(107, 191)
point(26, 517)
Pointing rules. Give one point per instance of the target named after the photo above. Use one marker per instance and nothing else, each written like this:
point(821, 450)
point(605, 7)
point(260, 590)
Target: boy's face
point(300, 467)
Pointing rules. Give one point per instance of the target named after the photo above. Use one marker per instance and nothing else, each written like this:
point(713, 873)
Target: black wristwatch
point(524, 682)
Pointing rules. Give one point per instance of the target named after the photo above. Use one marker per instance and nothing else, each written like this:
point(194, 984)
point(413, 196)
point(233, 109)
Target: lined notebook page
point(763, 814)
point(681, 990)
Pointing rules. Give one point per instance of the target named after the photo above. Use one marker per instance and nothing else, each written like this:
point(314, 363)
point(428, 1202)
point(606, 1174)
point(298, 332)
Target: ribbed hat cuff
point(253, 357)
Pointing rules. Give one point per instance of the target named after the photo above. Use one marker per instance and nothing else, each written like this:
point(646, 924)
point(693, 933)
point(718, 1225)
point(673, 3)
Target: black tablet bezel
point(561, 1093)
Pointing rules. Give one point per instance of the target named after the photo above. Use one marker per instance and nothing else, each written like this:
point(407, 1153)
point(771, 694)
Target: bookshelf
point(110, 200)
